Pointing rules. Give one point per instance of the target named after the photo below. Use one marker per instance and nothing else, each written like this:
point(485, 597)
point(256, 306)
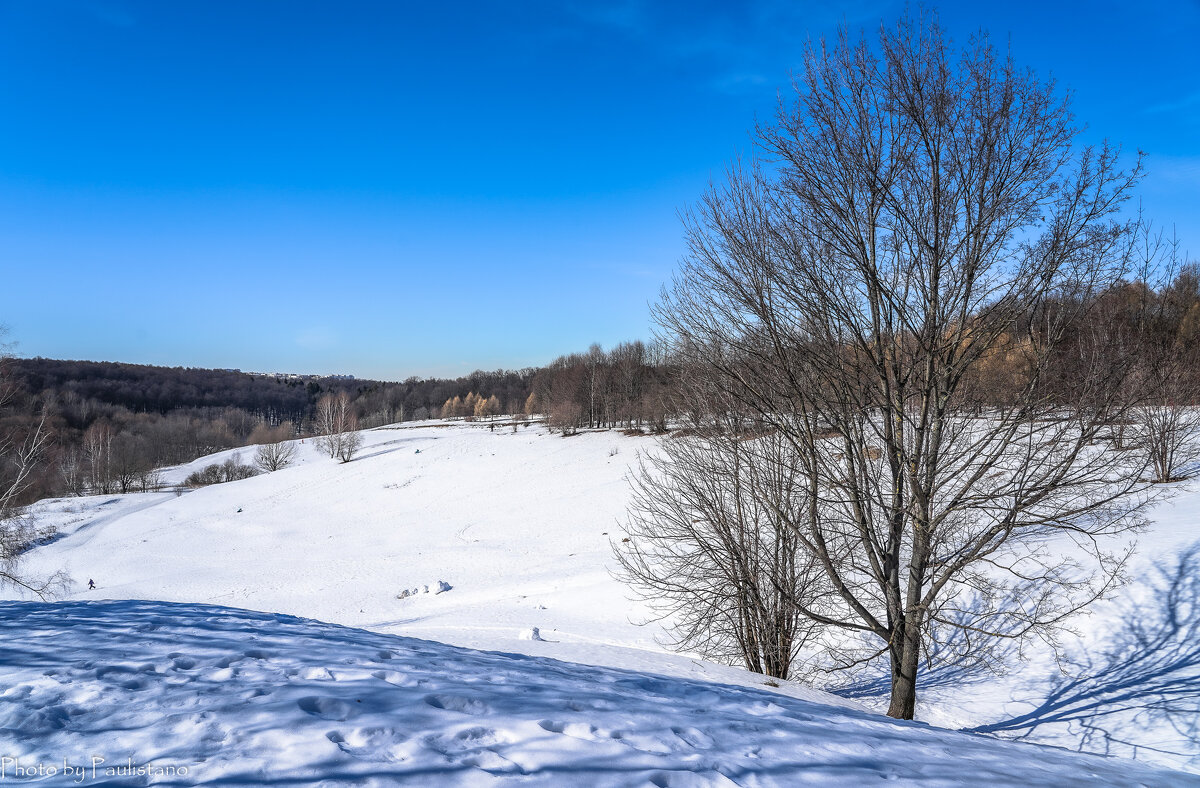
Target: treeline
point(145, 389)
point(629, 386)
point(114, 424)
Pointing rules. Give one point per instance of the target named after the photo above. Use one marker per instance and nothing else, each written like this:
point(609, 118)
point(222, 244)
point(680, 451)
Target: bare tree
point(712, 547)
point(1168, 370)
point(275, 449)
point(325, 425)
point(918, 209)
point(70, 469)
point(23, 446)
point(351, 441)
point(1170, 432)
point(336, 426)
point(97, 452)
point(564, 415)
point(594, 366)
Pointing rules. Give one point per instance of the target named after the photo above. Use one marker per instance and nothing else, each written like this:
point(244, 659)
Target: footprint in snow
point(466, 740)
point(576, 730)
point(643, 742)
point(457, 703)
point(17, 693)
point(326, 708)
point(44, 720)
point(393, 677)
point(316, 674)
point(694, 737)
point(379, 745)
point(492, 762)
point(116, 672)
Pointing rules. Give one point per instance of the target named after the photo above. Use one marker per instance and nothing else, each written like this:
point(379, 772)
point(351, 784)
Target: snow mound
point(439, 588)
point(215, 694)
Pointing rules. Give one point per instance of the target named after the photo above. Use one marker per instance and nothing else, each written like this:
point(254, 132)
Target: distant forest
point(142, 389)
point(114, 424)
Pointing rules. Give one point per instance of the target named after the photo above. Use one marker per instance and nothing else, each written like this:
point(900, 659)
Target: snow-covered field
point(475, 634)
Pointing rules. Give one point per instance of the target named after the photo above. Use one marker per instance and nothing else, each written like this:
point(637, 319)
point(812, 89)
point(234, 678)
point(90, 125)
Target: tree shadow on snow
point(1138, 691)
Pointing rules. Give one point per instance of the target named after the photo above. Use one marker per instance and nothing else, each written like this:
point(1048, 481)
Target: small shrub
point(564, 417)
point(229, 471)
point(210, 474)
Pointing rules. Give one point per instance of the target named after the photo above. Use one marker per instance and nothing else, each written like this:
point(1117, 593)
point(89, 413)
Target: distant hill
point(148, 389)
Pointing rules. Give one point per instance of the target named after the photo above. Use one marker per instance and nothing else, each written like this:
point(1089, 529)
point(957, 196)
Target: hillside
point(436, 540)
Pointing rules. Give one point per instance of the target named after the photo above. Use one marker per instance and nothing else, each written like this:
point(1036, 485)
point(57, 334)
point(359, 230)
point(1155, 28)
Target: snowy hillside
point(195, 693)
point(464, 537)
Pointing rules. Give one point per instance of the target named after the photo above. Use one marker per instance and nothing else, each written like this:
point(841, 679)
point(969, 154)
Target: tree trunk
point(905, 656)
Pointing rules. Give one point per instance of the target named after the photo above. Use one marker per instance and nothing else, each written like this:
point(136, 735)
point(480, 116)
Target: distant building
point(294, 376)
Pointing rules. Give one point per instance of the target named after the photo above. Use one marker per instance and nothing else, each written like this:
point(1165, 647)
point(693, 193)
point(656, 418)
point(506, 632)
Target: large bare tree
point(920, 211)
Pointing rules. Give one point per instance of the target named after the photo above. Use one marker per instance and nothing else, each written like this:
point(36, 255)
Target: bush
point(564, 416)
point(274, 447)
point(231, 470)
point(210, 474)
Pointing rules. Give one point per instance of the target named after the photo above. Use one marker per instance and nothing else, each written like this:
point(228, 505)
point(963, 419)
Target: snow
point(437, 539)
point(194, 693)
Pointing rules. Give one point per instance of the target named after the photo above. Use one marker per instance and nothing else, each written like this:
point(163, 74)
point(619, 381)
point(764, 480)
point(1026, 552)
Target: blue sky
point(391, 189)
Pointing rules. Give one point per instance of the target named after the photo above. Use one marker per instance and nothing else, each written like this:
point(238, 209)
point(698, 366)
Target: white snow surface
point(477, 635)
point(243, 698)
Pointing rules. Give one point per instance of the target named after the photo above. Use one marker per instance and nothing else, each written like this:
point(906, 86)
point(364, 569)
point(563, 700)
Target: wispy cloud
point(741, 82)
point(738, 47)
point(1174, 169)
point(1187, 102)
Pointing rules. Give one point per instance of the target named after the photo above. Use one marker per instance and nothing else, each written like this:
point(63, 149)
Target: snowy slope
point(191, 693)
point(520, 528)
point(519, 525)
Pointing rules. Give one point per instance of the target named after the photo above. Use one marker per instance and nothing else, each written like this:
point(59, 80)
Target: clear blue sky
point(389, 189)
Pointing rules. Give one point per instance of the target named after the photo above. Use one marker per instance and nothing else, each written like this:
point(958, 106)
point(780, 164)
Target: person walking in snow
point(91, 584)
